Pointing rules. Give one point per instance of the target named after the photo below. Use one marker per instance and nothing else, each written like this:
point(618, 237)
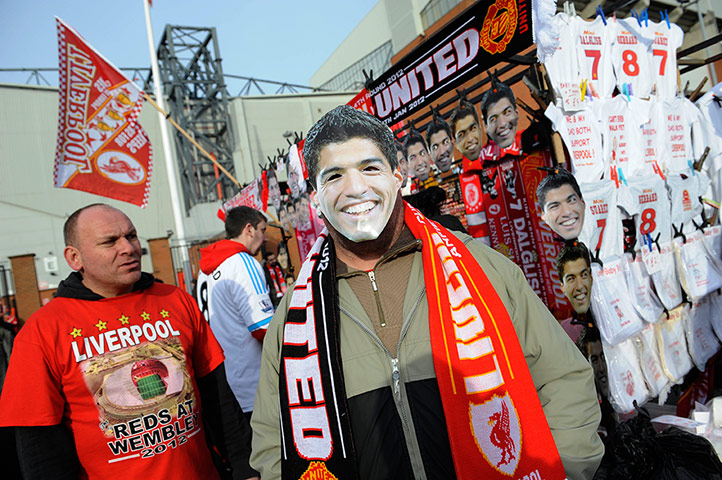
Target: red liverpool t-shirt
point(120, 374)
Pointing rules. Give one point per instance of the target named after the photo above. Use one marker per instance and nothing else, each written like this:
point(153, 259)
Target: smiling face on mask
point(442, 150)
point(356, 188)
point(502, 119)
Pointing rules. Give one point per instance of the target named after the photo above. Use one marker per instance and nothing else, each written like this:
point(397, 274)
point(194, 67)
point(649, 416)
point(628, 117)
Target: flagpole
point(169, 161)
point(165, 114)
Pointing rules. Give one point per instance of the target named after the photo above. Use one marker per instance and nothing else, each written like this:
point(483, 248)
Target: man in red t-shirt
point(108, 379)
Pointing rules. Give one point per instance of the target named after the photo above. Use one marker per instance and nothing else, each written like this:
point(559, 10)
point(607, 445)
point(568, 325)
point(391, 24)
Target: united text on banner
point(101, 148)
point(484, 35)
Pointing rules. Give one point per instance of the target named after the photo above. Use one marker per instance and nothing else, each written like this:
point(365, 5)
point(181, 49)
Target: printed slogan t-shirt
point(120, 373)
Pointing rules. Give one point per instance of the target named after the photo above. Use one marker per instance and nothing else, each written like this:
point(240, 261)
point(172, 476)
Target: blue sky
point(283, 40)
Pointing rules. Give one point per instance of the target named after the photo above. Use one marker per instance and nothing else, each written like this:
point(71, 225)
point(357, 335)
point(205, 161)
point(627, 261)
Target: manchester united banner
point(484, 35)
point(101, 148)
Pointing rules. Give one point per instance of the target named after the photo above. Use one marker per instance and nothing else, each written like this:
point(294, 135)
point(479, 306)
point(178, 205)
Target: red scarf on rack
point(279, 282)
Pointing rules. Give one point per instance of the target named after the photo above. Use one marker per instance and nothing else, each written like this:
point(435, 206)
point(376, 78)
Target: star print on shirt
point(101, 325)
point(77, 332)
point(164, 313)
point(145, 315)
point(123, 319)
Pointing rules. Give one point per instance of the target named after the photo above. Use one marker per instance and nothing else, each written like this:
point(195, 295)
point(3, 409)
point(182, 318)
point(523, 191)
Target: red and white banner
point(101, 149)
point(250, 196)
point(547, 248)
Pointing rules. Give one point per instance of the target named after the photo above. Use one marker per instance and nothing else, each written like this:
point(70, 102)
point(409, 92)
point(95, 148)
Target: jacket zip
point(401, 404)
point(375, 288)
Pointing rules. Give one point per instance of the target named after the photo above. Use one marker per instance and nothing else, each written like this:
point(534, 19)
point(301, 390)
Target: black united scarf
point(315, 426)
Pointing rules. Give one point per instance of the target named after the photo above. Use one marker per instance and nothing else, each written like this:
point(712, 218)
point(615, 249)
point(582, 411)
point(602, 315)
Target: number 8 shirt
point(651, 207)
point(630, 56)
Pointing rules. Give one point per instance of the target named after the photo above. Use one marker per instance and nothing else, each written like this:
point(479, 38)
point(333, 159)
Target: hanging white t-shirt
point(684, 139)
point(631, 57)
point(583, 139)
point(664, 57)
point(710, 104)
point(602, 228)
point(613, 304)
point(593, 45)
point(621, 124)
point(562, 64)
point(654, 144)
point(684, 192)
point(650, 207)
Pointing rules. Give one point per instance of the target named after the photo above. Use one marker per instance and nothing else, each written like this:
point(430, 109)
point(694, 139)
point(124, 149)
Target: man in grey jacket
point(386, 398)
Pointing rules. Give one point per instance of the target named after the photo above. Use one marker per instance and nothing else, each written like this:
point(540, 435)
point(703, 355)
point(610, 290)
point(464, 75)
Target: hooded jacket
point(213, 255)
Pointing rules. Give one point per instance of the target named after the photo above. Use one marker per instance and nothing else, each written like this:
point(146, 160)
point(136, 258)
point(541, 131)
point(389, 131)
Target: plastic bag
point(687, 456)
point(650, 362)
point(673, 346)
point(626, 380)
point(701, 340)
point(713, 238)
point(636, 452)
point(665, 280)
point(716, 313)
point(698, 273)
point(612, 303)
point(647, 304)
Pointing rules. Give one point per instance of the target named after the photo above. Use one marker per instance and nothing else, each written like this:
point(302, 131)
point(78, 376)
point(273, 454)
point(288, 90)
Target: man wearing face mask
point(407, 351)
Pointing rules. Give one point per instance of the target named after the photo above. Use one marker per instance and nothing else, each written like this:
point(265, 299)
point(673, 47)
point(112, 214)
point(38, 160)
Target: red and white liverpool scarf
point(496, 425)
point(495, 422)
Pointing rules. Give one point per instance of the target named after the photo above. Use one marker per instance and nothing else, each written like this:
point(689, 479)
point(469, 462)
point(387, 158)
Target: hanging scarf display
point(279, 282)
point(495, 421)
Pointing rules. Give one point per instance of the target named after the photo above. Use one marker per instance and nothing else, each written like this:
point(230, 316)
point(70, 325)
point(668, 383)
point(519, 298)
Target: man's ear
point(73, 258)
point(398, 178)
point(544, 216)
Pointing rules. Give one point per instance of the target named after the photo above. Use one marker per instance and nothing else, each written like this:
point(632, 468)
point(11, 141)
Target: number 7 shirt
point(593, 44)
point(667, 39)
point(602, 229)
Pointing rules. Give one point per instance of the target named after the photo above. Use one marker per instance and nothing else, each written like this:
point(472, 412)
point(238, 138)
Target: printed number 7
point(601, 223)
point(663, 54)
point(596, 55)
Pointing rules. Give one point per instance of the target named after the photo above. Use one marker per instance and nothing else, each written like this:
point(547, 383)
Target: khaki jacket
point(562, 377)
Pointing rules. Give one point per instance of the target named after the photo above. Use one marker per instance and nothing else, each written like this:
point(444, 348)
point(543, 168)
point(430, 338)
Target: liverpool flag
point(102, 149)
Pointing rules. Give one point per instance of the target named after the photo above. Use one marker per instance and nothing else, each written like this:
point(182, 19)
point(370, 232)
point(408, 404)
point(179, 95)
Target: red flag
point(101, 149)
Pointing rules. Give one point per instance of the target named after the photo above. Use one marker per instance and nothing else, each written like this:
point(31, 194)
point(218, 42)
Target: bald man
point(108, 378)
